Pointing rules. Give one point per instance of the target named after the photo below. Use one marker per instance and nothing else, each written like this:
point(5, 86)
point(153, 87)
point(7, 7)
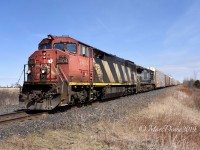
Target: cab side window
point(84, 51)
point(90, 51)
point(71, 47)
point(59, 46)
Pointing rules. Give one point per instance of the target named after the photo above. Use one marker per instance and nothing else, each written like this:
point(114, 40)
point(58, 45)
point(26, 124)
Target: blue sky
point(159, 33)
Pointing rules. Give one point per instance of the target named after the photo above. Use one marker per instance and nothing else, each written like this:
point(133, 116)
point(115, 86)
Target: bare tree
point(195, 75)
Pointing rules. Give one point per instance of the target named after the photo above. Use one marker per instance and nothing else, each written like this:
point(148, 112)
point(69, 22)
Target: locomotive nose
point(41, 66)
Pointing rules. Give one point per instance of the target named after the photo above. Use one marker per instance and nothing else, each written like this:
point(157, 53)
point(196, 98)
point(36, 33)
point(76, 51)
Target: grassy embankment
point(170, 122)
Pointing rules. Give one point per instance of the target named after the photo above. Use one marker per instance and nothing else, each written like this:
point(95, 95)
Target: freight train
point(64, 71)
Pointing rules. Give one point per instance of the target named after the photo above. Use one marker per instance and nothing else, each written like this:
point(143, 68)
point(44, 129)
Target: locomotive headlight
point(43, 71)
point(29, 71)
point(44, 55)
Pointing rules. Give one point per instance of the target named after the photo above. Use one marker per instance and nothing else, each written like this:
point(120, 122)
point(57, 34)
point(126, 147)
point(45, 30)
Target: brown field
point(170, 122)
point(9, 96)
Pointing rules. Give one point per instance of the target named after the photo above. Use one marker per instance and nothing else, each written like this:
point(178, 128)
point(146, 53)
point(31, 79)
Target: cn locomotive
point(64, 71)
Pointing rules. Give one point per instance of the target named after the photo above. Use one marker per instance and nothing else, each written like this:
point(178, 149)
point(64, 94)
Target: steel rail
point(7, 119)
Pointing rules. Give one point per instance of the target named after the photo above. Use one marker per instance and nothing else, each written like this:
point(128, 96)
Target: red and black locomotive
point(64, 71)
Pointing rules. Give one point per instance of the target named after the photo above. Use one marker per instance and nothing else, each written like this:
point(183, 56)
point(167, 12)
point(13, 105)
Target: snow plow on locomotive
point(64, 71)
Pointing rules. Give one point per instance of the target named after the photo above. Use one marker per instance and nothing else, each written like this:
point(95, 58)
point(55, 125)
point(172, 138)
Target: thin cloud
point(172, 54)
point(180, 54)
point(182, 70)
point(185, 31)
point(103, 25)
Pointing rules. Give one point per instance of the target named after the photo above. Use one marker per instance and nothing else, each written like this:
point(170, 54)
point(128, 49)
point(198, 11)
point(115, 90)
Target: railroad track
point(16, 117)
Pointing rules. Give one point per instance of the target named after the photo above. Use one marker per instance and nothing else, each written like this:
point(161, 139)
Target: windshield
point(45, 46)
point(69, 46)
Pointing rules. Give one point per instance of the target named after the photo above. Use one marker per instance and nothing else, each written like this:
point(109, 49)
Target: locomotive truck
point(64, 71)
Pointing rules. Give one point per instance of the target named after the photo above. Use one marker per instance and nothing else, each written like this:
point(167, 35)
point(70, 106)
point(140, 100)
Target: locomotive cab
point(46, 75)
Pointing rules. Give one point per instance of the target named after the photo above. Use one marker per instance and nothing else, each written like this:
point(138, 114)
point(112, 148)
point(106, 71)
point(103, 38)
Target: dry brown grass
point(166, 124)
point(171, 125)
point(9, 96)
point(51, 140)
point(171, 122)
point(196, 98)
point(185, 90)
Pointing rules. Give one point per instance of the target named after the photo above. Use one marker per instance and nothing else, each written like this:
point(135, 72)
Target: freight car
point(64, 71)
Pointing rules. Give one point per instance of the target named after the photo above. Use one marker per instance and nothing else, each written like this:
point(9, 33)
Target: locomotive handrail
point(65, 78)
point(61, 77)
